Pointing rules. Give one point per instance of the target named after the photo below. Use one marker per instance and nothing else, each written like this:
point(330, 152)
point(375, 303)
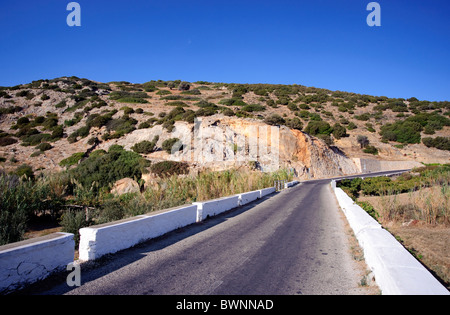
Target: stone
point(125, 186)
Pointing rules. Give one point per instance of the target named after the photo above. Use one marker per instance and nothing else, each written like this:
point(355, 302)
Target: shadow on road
point(90, 271)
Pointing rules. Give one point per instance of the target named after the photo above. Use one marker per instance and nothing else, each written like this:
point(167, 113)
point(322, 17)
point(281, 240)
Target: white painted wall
point(97, 241)
point(248, 197)
point(396, 271)
point(216, 206)
point(267, 191)
point(291, 184)
point(26, 262)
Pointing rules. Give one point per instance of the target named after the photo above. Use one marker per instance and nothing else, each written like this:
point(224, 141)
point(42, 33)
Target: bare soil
point(431, 245)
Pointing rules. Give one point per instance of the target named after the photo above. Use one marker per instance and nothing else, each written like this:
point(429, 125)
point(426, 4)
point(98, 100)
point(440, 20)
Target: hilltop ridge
point(48, 121)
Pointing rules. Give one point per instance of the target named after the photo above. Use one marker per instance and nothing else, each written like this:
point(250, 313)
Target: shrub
point(72, 160)
point(5, 141)
point(371, 150)
point(127, 110)
point(184, 86)
point(35, 139)
point(15, 209)
point(339, 131)
point(129, 97)
point(441, 143)
point(45, 146)
point(111, 210)
point(169, 168)
point(82, 132)
point(121, 126)
point(402, 131)
point(45, 97)
point(24, 170)
point(274, 120)
point(232, 102)
point(72, 222)
point(169, 145)
point(108, 167)
point(315, 128)
point(145, 147)
point(294, 123)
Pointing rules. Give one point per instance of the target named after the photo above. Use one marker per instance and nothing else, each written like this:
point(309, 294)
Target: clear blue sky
point(321, 43)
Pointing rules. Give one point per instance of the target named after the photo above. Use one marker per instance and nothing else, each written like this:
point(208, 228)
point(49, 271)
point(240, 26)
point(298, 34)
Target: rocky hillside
point(52, 124)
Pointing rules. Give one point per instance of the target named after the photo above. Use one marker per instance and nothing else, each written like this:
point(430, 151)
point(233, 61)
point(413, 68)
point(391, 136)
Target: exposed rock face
point(220, 142)
point(312, 158)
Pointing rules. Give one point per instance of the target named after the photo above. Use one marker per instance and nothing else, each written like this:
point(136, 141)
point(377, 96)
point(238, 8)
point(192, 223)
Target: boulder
point(125, 186)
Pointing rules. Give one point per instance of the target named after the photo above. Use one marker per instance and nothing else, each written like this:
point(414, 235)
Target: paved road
point(293, 242)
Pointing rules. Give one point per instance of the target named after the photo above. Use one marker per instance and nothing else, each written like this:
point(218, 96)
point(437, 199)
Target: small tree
point(339, 131)
point(363, 141)
point(275, 120)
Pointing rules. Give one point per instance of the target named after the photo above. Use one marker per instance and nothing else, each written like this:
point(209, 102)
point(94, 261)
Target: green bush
point(369, 209)
point(111, 210)
point(73, 221)
point(315, 128)
point(129, 97)
point(5, 141)
point(145, 147)
point(274, 120)
point(25, 171)
point(441, 143)
point(169, 168)
point(35, 139)
point(371, 150)
point(294, 123)
point(402, 131)
point(184, 86)
point(15, 209)
point(169, 145)
point(72, 160)
point(45, 146)
point(121, 126)
point(339, 131)
point(107, 168)
point(232, 102)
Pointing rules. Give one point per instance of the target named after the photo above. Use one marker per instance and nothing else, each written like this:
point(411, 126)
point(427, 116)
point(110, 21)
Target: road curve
point(293, 242)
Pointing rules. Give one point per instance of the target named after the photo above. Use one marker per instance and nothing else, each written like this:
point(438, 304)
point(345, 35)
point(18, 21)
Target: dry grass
point(175, 190)
point(428, 205)
point(420, 220)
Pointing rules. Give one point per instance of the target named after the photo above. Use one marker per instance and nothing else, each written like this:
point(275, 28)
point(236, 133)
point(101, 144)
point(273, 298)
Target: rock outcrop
point(220, 142)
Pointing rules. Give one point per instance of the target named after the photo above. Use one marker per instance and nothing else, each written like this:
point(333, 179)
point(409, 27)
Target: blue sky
point(321, 43)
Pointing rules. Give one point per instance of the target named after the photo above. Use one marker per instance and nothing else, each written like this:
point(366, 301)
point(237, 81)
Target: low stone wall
point(396, 271)
point(97, 241)
point(32, 260)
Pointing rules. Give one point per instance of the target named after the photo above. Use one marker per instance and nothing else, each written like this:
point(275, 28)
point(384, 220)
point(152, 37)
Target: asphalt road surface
point(292, 242)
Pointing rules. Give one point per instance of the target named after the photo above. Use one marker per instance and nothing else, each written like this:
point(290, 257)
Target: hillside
point(322, 132)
